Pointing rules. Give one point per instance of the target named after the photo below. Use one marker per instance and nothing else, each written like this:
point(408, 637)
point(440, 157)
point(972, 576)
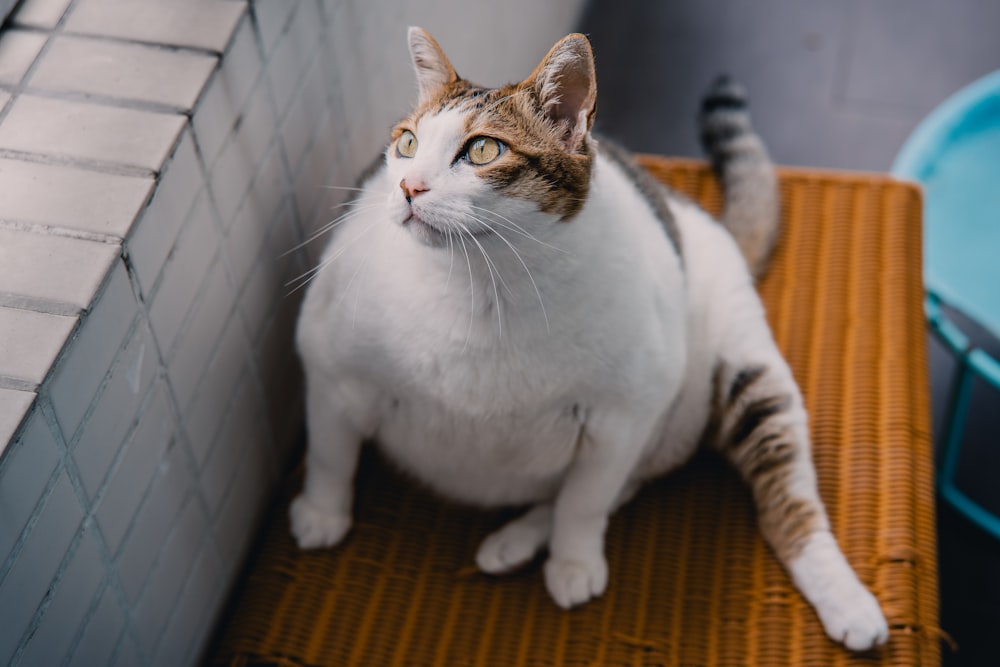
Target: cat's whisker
point(489, 267)
point(517, 229)
point(344, 187)
point(451, 263)
point(472, 291)
point(308, 276)
point(530, 277)
point(354, 212)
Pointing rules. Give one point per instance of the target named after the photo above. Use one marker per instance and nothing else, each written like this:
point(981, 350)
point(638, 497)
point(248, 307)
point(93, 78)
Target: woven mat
point(691, 581)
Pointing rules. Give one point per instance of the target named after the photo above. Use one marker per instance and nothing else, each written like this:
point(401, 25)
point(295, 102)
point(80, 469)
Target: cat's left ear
point(566, 85)
point(434, 70)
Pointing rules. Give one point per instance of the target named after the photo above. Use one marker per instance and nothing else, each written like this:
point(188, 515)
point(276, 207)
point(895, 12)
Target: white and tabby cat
point(518, 314)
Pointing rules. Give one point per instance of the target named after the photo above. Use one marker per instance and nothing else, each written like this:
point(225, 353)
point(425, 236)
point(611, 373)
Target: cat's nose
point(413, 187)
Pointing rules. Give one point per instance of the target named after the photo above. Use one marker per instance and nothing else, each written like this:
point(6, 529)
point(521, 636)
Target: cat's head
point(469, 157)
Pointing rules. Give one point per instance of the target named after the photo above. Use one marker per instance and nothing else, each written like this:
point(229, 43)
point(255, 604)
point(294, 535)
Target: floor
point(838, 85)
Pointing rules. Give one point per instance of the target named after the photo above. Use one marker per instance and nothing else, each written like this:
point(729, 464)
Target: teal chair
point(955, 154)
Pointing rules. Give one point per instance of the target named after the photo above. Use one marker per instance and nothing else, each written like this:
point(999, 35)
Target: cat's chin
point(425, 232)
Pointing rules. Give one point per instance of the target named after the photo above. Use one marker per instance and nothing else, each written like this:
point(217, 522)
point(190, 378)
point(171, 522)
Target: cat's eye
point(483, 150)
point(406, 145)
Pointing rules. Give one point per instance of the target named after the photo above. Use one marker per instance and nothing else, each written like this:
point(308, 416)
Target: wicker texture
point(691, 581)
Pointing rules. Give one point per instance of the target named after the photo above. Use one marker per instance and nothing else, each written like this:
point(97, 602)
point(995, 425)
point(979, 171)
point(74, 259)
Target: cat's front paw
point(510, 547)
point(572, 582)
point(853, 618)
point(313, 528)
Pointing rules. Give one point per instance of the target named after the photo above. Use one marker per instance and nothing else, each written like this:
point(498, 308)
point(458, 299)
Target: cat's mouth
point(425, 231)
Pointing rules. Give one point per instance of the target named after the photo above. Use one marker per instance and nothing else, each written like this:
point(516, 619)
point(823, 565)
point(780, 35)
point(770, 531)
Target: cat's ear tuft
point(434, 71)
point(566, 85)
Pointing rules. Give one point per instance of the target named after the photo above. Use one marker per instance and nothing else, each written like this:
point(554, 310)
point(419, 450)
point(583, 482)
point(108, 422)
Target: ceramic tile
point(28, 580)
point(18, 49)
point(272, 20)
point(242, 436)
point(127, 71)
point(153, 236)
point(72, 198)
point(221, 107)
point(298, 130)
point(101, 634)
point(117, 408)
point(14, 407)
point(205, 323)
point(175, 564)
point(184, 272)
point(91, 352)
point(130, 481)
point(68, 606)
point(30, 342)
point(90, 131)
point(128, 654)
point(204, 24)
point(230, 180)
point(243, 504)
point(43, 14)
point(185, 635)
point(266, 285)
point(25, 470)
point(159, 511)
point(216, 391)
point(244, 243)
point(52, 273)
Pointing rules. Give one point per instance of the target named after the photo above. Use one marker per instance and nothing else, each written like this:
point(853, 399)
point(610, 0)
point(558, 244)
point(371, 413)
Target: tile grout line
point(65, 464)
point(99, 166)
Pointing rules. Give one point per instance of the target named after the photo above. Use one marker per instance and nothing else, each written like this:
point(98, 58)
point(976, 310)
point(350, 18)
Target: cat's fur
point(555, 328)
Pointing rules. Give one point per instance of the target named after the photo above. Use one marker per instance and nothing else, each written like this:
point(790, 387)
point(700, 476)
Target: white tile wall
point(127, 71)
point(204, 24)
point(14, 406)
point(35, 567)
point(153, 237)
point(196, 250)
point(18, 49)
point(51, 273)
point(90, 132)
point(73, 596)
point(83, 369)
point(173, 567)
point(25, 472)
point(43, 14)
point(101, 633)
point(62, 197)
point(29, 344)
point(135, 467)
point(166, 155)
point(153, 521)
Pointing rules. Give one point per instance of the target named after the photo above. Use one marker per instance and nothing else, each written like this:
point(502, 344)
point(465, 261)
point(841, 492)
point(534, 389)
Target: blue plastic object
point(955, 154)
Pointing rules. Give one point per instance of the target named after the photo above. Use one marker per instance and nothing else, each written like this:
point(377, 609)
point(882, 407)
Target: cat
point(519, 315)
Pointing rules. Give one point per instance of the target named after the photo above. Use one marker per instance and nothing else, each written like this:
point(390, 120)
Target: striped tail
point(745, 170)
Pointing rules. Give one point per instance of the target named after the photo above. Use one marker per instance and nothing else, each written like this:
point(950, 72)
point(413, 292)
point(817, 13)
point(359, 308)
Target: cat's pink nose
point(413, 187)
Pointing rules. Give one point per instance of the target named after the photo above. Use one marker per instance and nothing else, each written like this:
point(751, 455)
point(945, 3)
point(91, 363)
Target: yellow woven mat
point(691, 582)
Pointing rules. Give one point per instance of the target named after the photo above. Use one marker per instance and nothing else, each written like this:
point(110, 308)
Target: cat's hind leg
point(517, 542)
point(761, 428)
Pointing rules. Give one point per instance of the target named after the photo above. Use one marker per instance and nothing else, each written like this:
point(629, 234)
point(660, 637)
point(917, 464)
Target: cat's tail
point(745, 170)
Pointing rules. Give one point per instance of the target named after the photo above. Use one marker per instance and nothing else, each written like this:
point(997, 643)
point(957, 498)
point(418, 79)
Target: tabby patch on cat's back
point(518, 314)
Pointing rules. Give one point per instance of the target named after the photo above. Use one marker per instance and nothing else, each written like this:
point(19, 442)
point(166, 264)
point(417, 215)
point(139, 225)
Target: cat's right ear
point(566, 85)
point(434, 71)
